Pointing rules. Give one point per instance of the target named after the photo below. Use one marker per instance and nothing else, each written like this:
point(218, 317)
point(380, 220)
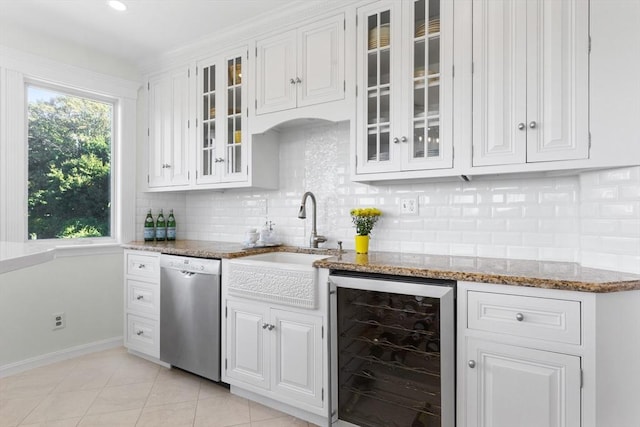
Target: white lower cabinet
point(515, 386)
point(533, 357)
point(142, 302)
point(277, 350)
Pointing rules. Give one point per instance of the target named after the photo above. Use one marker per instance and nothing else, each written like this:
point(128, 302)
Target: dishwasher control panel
point(195, 265)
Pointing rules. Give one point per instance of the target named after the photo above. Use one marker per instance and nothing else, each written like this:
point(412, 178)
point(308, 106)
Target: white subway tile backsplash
point(593, 218)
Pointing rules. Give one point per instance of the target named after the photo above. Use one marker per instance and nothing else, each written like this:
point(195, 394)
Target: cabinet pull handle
point(533, 124)
point(265, 325)
point(166, 166)
point(219, 160)
point(521, 126)
point(298, 80)
point(139, 297)
point(472, 364)
point(396, 140)
point(141, 266)
point(292, 81)
point(519, 317)
point(139, 332)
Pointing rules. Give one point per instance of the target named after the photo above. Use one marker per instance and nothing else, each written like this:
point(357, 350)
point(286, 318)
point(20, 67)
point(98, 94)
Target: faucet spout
point(302, 214)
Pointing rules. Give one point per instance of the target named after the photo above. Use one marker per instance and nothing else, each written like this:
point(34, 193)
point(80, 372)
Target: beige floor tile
point(172, 415)
point(286, 421)
point(60, 406)
point(166, 374)
point(71, 422)
point(222, 411)
point(260, 412)
point(23, 386)
point(112, 419)
point(209, 389)
point(173, 391)
point(120, 398)
point(131, 372)
point(85, 378)
point(13, 411)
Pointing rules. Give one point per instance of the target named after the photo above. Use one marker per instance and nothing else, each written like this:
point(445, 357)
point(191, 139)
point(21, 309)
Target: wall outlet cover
point(409, 206)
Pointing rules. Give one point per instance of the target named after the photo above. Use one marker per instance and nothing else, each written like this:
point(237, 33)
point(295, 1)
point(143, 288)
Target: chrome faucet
point(314, 239)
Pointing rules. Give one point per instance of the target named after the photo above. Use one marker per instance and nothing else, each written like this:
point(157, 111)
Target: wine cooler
point(392, 351)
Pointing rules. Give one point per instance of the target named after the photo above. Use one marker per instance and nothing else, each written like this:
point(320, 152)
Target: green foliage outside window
point(69, 166)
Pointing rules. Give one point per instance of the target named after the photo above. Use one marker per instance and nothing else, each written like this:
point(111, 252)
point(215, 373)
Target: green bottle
point(149, 229)
point(171, 226)
point(161, 228)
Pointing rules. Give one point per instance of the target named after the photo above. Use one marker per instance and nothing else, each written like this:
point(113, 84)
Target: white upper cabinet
point(168, 131)
point(530, 81)
point(221, 119)
point(301, 67)
point(405, 88)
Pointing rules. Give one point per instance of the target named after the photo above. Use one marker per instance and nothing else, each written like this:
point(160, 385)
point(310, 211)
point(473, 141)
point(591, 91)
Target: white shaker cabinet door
point(169, 129)
point(320, 76)
point(247, 358)
point(276, 71)
point(511, 386)
point(297, 365)
point(557, 80)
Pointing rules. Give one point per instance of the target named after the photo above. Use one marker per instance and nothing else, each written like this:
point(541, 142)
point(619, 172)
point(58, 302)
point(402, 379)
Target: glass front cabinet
point(221, 120)
point(405, 88)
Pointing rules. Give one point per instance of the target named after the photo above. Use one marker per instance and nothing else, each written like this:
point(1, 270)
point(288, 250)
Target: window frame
point(115, 144)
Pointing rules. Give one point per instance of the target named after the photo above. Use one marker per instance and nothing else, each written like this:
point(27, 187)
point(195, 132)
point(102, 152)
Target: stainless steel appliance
point(190, 314)
point(392, 351)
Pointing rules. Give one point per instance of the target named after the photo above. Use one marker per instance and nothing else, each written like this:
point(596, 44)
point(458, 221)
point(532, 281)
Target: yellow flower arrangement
point(364, 219)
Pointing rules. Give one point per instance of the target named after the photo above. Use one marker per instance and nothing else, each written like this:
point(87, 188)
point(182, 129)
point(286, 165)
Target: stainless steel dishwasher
point(190, 314)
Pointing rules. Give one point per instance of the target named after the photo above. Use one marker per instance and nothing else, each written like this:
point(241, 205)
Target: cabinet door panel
point(514, 386)
point(321, 66)
point(297, 365)
point(557, 80)
point(499, 82)
point(276, 67)
point(247, 356)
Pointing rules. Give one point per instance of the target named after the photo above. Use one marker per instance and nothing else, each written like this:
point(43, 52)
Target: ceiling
point(146, 29)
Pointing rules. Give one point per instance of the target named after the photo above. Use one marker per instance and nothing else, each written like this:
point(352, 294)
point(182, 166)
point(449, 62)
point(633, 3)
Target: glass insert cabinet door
point(222, 115)
point(405, 123)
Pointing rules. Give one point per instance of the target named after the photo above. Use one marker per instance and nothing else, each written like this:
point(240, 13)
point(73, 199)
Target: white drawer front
point(143, 297)
point(524, 316)
point(140, 265)
point(143, 335)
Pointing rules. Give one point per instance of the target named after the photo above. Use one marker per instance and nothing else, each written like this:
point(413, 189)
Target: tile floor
point(115, 389)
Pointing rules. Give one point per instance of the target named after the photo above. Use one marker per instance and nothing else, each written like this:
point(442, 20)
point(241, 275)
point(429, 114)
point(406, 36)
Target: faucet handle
point(339, 246)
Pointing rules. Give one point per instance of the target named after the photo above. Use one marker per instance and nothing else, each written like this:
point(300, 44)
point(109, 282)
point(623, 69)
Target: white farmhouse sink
point(281, 277)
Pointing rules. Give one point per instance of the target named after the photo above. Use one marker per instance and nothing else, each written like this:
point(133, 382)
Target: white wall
point(88, 289)
point(568, 218)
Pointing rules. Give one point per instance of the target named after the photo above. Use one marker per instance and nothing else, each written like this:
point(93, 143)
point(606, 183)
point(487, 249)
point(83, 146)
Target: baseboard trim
point(60, 355)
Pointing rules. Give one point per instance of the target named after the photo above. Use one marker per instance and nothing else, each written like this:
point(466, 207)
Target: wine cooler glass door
point(392, 349)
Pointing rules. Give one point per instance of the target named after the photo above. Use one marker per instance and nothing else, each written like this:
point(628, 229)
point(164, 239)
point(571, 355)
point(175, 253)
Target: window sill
point(15, 255)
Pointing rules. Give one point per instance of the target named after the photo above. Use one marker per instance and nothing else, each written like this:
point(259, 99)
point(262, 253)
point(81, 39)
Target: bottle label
point(171, 233)
point(149, 233)
point(161, 233)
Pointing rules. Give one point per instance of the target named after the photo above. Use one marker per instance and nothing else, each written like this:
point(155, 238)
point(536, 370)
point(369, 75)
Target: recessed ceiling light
point(117, 5)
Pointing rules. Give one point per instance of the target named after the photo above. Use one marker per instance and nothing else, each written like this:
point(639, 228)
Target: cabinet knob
point(396, 140)
point(519, 317)
point(271, 327)
point(292, 81)
point(265, 325)
point(166, 166)
point(521, 126)
point(404, 139)
point(219, 160)
point(139, 333)
point(139, 297)
point(298, 80)
point(472, 364)
point(532, 124)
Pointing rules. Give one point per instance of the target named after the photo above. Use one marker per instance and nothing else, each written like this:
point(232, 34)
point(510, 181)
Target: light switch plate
point(409, 206)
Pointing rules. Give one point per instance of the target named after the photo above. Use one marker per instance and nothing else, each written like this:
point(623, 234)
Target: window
point(69, 159)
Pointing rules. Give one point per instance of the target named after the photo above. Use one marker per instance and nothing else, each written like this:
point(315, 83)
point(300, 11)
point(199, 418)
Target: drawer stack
point(142, 302)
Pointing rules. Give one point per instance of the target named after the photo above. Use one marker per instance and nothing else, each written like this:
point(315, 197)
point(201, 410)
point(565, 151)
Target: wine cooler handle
point(472, 364)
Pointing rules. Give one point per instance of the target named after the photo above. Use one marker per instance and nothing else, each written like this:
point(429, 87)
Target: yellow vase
point(362, 244)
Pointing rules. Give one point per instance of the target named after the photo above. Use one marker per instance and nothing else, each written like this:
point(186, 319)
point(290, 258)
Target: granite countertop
point(540, 274)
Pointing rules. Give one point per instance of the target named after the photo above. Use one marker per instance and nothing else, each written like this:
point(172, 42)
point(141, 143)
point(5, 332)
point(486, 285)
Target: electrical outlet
point(409, 206)
point(58, 321)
